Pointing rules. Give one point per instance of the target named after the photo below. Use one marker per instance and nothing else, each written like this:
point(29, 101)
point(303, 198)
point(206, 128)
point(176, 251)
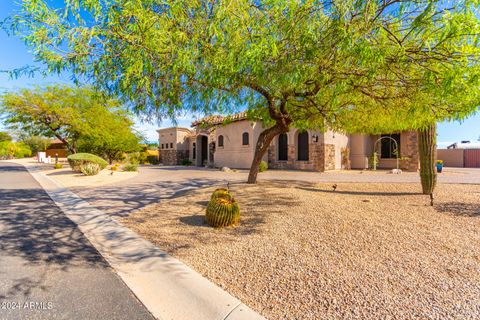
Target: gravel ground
point(366, 251)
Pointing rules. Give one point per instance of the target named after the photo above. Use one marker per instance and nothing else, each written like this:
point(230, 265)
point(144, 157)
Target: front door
point(204, 151)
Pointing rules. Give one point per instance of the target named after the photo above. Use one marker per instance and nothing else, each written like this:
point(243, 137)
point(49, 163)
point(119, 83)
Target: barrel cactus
point(222, 211)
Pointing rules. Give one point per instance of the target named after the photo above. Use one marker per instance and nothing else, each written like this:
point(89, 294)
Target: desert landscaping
point(304, 251)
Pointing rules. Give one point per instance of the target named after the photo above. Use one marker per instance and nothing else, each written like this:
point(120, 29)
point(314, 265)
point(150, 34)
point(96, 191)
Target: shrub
point(114, 167)
point(262, 167)
point(90, 168)
point(130, 167)
point(58, 166)
point(221, 193)
point(10, 149)
point(222, 212)
point(186, 162)
point(77, 159)
point(138, 157)
point(152, 159)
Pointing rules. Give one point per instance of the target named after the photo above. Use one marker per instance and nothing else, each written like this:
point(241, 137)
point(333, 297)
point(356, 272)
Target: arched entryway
point(302, 146)
point(283, 147)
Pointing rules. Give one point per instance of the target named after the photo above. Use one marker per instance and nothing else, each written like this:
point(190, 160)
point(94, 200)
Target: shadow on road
point(34, 228)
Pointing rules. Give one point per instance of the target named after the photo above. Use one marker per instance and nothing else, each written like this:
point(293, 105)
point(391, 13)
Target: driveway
point(154, 183)
point(48, 269)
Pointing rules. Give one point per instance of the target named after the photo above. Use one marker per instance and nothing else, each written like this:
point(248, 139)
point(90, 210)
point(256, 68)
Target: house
point(230, 142)
point(56, 148)
point(464, 154)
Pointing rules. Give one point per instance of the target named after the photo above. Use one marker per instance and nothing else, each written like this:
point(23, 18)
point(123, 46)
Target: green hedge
point(77, 159)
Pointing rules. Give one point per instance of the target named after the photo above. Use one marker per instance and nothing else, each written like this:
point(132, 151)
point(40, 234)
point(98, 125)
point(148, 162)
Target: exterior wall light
point(314, 138)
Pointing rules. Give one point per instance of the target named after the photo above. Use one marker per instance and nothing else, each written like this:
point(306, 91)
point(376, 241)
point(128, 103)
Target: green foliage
point(263, 166)
point(130, 167)
point(222, 211)
point(151, 159)
point(90, 168)
point(114, 167)
point(138, 157)
point(373, 161)
point(335, 65)
point(36, 143)
point(186, 162)
point(58, 166)
point(84, 119)
point(10, 149)
point(5, 136)
point(78, 159)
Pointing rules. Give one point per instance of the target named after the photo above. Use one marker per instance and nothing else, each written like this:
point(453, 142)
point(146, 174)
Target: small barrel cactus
point(221, 193)
point(222, 212)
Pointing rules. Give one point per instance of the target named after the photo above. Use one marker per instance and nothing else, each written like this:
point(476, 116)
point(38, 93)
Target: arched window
point(302, 146)
point(220, 141)
point(282, 147)
point(245, 139)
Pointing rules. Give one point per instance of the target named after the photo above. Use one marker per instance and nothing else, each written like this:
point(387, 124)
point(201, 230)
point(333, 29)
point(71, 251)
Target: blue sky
point(14, 54)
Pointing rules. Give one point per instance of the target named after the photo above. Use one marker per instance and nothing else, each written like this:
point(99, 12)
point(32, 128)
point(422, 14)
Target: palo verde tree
point(73, 115)
point(308, 64)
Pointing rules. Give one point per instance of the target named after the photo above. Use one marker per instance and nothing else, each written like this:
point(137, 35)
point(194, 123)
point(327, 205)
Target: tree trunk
point(261, 148)
point(427, 149)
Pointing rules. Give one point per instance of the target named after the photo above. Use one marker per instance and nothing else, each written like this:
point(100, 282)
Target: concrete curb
point(168, 288)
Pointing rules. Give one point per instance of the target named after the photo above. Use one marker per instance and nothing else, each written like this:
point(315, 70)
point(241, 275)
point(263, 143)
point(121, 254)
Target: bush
point(152, 159)
point(10, 149)
point(262, 167)
point(186, 162)
point(58, 166)
point(77, 159)
point(222, 211)
point(138, 157)
point(114, 167)
point(90, 168)
point(130, 167)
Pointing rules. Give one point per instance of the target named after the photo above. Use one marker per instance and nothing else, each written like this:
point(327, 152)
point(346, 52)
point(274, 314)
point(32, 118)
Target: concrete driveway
point(48, 269)
point(154, 183)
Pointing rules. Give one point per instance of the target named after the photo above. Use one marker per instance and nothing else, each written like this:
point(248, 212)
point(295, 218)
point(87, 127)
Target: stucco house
point(215, 142)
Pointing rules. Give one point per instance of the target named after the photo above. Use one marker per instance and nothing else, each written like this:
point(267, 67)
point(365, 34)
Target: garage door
point(472, 158)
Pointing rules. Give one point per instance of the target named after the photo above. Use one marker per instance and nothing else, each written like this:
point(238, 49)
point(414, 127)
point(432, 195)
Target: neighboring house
point(464, 154)
point(214, 143)
point(56, 148)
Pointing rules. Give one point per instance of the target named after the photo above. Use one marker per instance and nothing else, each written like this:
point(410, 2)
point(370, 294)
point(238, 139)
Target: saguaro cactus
point(427, 146)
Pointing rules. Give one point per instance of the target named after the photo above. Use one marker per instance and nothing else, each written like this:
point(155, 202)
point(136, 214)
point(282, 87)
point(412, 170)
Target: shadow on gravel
point(121, 201)
point(362, 193)
point(459, 209)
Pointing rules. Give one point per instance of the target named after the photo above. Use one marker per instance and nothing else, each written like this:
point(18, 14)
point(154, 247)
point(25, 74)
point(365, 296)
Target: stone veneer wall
point(321, 157)
point(173, 157)
point(411, 151)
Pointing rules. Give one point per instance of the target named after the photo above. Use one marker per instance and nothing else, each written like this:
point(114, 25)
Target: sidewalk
point(167, 287)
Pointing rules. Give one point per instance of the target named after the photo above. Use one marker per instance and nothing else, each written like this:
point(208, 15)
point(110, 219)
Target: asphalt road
point(48, 269)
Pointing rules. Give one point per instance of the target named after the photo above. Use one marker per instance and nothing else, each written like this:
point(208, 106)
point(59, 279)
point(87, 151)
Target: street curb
point(168, 288)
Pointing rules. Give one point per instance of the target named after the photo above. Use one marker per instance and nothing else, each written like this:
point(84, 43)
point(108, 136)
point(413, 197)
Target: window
point(282, 147)
point(162, 145)
point(171, 145)
point(245, 139)
point(194, 155)
point(302, 146)
point(389, 147)
point(220, 141)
